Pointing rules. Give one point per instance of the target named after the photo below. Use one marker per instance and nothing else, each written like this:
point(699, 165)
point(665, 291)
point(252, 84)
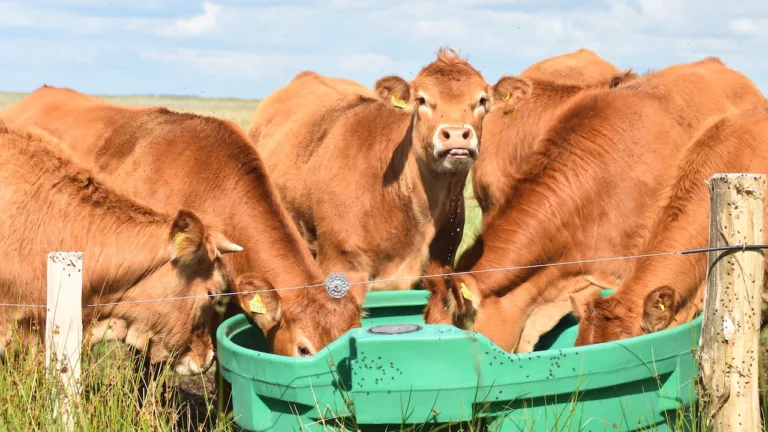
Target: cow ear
point(510, 91)
point(621, 78)
point(658, 309)
point(187, 236)
point(191, 240)
point(465, 299)
point(396, 90)
point(583, 305)
point(260, 301)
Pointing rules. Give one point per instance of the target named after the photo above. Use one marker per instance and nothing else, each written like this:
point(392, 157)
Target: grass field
point(237, 110)
point(111, 391)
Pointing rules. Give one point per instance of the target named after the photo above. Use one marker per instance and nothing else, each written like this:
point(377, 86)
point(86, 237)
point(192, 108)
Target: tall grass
point(116, 394)
point(111, 386)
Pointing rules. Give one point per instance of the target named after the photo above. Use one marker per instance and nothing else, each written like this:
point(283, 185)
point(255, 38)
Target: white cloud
point(743, 26)
point(366, 62)
point(16, 15)
point(198, 24)
point(230, 63)
point(365, 67)
point(259, 45)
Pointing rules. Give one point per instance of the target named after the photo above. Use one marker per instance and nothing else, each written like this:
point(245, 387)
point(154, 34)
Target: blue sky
point(247, 48)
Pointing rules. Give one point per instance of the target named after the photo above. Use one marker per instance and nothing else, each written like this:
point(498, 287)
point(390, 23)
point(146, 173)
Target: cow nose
point(455, 136)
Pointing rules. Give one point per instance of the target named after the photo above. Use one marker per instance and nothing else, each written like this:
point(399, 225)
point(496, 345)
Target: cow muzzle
point(457, 143)
point(190, 364)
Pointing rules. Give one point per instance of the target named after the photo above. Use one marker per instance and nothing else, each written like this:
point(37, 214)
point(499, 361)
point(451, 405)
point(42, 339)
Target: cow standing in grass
point(664, 291)
point(591, 189)
point(173, 160)
point(130, 252)
point(375, 181)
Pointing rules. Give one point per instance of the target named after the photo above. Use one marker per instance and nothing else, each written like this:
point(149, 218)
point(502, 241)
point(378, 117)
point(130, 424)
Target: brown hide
point(591, 190)
point(582, 67)
point(664, 291)
point(130, 252)
point(375, 188)
point(509, 137)
point(173, 160)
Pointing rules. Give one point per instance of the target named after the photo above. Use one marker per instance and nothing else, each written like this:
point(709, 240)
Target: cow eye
point(303, 351)
point(482, 101)
point(422, 101)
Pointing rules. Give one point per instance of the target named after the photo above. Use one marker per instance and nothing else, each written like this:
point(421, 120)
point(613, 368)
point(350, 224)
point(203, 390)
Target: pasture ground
point(196, 398)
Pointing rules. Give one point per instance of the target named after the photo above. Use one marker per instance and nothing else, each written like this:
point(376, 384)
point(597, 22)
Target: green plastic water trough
point(396, 372)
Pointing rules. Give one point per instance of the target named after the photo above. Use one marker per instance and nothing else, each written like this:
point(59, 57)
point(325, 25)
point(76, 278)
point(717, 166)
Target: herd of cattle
point(571, 160)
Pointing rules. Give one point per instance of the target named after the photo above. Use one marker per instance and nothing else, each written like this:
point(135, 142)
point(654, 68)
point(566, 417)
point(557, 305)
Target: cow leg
point(545, 317)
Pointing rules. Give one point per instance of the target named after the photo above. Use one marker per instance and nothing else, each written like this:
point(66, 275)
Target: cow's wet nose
point(456, 136)
point(191, 365)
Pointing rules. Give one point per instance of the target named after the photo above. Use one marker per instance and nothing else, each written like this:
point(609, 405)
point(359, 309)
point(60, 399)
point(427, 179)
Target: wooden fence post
point(64, 326)
point(728, 348)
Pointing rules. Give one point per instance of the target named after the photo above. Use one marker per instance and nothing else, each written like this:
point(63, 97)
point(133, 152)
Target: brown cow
point(509, 137)
point(377, 188)
point(659, 292)
point(131, 253)
point(582, 67)
point(591, 190)
point(174, 160)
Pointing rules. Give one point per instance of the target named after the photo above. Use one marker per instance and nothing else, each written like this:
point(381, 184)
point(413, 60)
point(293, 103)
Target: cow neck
point(113, 264)
point(440, 189)
point(548, 218)
point(522, 129)
point(272, 246)
point(675, 230)
point(523, 235)
point(683, 273)
point(121, 242)
point(510, 138)
point(544, 204)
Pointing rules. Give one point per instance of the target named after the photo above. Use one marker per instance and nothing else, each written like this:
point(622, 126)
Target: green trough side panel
point(438, 374)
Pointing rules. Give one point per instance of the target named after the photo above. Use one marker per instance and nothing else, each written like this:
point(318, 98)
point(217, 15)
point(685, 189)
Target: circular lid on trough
point(388, 329)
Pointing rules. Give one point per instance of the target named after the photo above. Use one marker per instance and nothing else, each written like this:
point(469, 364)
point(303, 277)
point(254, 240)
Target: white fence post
point(64, 326)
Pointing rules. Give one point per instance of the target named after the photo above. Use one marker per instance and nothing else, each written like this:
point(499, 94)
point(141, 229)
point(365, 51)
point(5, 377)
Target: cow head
point(609, 319)
point(175, 330)
point(286, 321)
point(448, 99)
point(453, 300)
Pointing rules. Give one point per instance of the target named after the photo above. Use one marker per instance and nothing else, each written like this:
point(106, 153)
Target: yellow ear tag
point(662, 307)
point(506, 98)
point(510, 111)
point(399, 102)
point(178, 240)
point(258, 306)
point(466, 292)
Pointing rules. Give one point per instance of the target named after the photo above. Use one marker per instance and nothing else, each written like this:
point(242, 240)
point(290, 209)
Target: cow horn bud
point(225, 246)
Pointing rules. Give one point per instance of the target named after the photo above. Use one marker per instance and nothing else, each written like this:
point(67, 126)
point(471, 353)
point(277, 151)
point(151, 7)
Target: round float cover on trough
point(394, 329)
